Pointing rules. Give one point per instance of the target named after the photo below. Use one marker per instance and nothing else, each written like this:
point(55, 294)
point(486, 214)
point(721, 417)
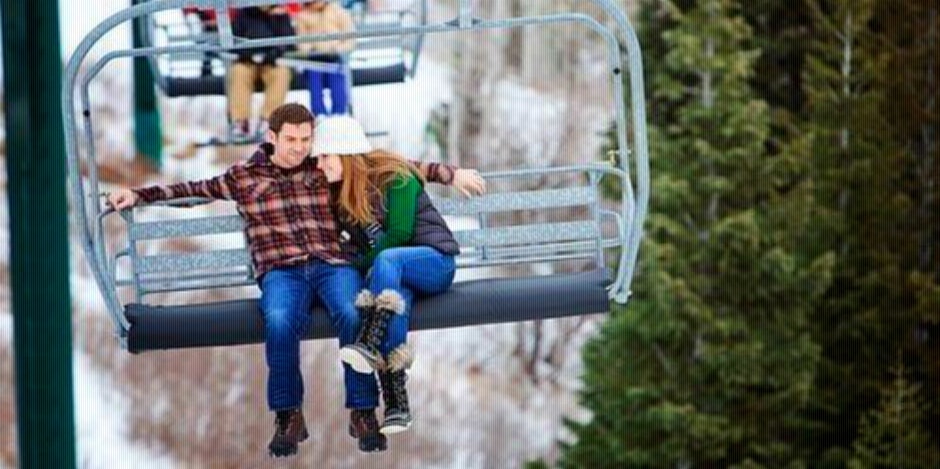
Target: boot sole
point(393, 428)
point(276, 454)
point(356, 360)
point(377, 449)
point(376, 445)
point(282, 452)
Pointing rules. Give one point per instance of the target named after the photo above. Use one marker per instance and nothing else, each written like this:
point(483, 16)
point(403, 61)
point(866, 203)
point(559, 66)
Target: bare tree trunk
point(708, 102)
point(930, 142)
point(848, 38)
point(515, 45)
point(467, 111)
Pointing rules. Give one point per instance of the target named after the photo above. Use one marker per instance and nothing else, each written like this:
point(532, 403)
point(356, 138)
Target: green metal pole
point(39, 267)
point(148, 135)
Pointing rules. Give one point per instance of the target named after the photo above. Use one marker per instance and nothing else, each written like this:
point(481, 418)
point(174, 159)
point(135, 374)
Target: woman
point(403, 243)
point(323, 17)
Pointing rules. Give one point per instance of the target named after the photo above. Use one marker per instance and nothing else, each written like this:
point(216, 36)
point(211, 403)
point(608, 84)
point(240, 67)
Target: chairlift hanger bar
point(447, 27)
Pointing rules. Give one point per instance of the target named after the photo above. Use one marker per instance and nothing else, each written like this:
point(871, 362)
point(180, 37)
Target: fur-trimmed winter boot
point(394, 392)
point(363, 355)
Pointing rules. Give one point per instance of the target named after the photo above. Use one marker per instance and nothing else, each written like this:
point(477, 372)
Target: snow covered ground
point(6, 329)
point(101, 425)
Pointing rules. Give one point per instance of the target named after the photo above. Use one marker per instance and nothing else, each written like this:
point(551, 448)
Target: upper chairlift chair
point(376, 60)
point(598, 235)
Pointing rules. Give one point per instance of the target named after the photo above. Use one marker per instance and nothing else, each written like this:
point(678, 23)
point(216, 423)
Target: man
point(295, 247)
point(257, 63)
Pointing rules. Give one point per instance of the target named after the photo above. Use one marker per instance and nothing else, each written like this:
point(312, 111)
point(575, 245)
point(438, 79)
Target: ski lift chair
point(379, 60)
point(598, 236)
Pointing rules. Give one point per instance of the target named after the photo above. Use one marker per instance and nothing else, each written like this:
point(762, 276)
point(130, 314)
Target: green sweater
point(401, 198)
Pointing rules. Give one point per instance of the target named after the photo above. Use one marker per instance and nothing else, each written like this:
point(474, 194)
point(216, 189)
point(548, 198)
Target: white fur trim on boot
point(390, 300)
point(401, 358)
point(365, 299)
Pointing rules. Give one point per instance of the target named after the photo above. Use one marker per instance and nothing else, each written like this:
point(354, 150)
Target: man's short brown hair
point(290, 113)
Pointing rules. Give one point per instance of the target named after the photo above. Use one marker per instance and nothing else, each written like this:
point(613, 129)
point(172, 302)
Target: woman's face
point(331, 166)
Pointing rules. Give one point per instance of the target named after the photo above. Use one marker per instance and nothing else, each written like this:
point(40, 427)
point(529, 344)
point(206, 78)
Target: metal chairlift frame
point(214, 84)
point(90, 209)
point(147, 29)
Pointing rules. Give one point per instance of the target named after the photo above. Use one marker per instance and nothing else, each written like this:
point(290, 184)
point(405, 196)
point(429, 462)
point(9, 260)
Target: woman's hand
point(469, 182)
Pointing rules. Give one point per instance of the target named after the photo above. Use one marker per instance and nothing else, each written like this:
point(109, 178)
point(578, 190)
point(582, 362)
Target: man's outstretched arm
point(219, 187)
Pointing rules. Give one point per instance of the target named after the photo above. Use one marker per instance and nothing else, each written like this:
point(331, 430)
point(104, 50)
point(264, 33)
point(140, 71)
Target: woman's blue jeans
point(287, 295)
point(410, 271)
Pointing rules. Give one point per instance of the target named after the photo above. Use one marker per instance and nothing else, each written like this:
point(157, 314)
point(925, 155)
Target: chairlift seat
point(474, 302)
point(467, 303)
point(214, 85)
point(177, 80)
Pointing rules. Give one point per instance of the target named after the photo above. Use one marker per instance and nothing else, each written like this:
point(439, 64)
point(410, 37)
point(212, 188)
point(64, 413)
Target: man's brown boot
point(364, 426)
point(289, 429)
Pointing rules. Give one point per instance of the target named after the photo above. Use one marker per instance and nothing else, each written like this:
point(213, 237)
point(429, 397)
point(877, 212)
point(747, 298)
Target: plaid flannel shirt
point(288, 219)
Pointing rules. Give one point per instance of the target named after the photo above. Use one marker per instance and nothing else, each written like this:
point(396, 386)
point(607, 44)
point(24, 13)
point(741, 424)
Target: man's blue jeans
point(409, 270)
point(287, 295)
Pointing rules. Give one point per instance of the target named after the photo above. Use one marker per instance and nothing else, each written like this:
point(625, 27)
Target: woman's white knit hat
point(339, 135)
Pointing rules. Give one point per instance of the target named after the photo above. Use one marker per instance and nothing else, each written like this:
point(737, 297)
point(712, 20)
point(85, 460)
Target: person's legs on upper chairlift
point(275, 80)
point(317, 83)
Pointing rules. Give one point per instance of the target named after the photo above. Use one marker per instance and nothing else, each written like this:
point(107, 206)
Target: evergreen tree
point(893, 435)
point(712, 361)
point(654, 18)
point(911, 32)
point(781, 33)
point(863, 124)
point(852, 177)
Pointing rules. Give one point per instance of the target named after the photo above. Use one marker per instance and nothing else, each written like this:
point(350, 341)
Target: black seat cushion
point(475, 302)
point(214, 85)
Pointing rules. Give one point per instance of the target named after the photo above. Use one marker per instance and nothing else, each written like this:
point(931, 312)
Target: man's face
point(291, 144)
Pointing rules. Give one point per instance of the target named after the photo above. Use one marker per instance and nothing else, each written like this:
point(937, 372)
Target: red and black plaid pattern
point(288, 220)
